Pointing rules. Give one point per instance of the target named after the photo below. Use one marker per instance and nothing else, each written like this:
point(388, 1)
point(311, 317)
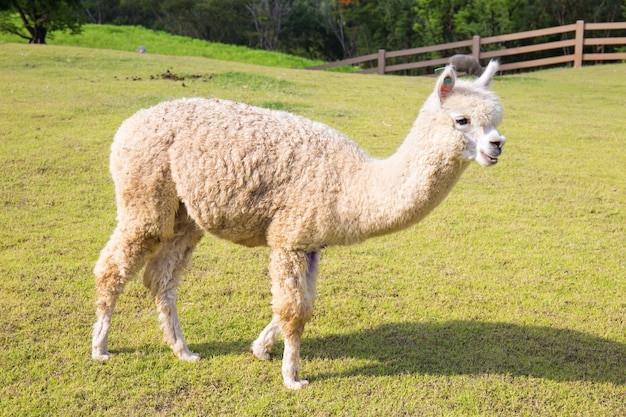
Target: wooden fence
point(574, 48)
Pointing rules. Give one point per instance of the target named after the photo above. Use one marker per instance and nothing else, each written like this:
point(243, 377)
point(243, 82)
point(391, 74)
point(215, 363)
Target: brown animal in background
point(467, 64)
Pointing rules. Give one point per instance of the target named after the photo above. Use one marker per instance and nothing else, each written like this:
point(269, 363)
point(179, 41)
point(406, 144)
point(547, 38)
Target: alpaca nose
point(497, 141)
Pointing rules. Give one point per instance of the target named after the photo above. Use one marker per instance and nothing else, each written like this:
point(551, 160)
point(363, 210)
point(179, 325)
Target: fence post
point(580, 42)
point(476, 47)
point(381, 62)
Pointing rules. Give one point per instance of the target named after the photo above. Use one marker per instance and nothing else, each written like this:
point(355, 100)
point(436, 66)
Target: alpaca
point(264, 177)
point(466, 63)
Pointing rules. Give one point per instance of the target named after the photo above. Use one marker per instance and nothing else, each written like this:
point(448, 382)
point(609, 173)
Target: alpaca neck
point(401, 190)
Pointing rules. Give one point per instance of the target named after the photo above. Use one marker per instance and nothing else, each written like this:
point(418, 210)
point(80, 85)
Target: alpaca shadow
point(473, 348)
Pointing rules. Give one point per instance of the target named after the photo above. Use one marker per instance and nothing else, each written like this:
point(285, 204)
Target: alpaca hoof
point(100, 356)
point(296, 385)
point(260, 352)
point(189, 357)
point(264, 356)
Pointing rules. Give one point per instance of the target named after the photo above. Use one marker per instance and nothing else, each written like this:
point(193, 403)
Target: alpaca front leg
point(292, 302)
point(262, 346)
point(291, 361)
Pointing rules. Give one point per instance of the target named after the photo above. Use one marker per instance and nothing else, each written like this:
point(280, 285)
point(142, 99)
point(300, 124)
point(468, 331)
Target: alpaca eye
point(462, 121)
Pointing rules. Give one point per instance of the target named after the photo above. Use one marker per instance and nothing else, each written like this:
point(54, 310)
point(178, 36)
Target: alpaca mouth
point(490, 159)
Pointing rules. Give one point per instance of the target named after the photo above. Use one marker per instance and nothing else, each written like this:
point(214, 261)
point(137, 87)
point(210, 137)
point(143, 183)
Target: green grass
point(507, 300)
point(128, 38)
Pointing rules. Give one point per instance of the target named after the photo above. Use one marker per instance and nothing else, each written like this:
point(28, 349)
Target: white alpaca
point(263, 177)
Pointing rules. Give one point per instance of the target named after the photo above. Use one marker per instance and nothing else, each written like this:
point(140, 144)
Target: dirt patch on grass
point(169, 75)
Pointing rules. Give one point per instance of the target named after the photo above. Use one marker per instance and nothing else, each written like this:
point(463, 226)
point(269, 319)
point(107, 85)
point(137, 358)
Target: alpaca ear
point(445, 83)
point(488, 73)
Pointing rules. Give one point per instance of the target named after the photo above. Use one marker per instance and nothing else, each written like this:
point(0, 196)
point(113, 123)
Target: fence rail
point(575, 50)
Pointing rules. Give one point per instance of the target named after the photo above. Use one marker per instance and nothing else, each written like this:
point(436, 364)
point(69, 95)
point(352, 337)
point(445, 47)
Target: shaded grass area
point(507, 300)
point(488, 348)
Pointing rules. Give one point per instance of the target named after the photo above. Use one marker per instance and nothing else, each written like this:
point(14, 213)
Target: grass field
point(510, 299)
point(128, 38)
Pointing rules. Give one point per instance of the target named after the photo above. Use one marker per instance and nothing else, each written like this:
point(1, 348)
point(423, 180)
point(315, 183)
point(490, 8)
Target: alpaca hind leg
point(163, 275)
point(292, 302)
point(120, 260)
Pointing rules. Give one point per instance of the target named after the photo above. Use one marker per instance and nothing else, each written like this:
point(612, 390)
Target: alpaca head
point(474, 112)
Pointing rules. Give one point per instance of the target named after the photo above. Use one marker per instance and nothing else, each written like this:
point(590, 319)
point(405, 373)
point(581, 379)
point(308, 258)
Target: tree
point(269, 17)
point(40, 17)
point(307, 34)
point(334, 13)
point(100, 11)
point(226, 21)
point(393, 26)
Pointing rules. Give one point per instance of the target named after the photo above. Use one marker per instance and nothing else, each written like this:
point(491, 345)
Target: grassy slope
point(128, 38)
point(507, 300)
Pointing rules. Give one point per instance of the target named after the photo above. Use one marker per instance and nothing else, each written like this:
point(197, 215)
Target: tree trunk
point(37, 28)
point(38, 34)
